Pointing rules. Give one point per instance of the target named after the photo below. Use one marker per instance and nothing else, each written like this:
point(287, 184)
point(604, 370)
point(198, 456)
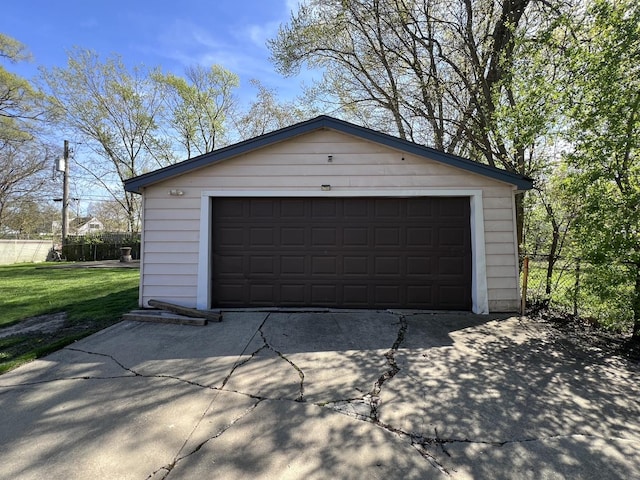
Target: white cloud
point(259, 34)
point(242, 52)
point(190, 35)
point(239, 47)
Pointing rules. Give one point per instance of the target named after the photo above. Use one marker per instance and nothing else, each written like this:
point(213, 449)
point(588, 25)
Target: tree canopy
point(198, 106)
point(469, 77)
point(24, 156)
point(604, 111)
point(445, 73)
point(115, 111)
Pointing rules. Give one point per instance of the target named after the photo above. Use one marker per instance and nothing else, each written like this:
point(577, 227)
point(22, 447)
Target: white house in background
point(85, 226)
point(79, 226)
point(331, 214)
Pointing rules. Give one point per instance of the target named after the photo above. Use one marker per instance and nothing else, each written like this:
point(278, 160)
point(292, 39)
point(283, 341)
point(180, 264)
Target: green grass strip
point(93, 298)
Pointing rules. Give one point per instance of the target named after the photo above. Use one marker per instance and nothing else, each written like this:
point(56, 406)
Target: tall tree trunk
point(551, 259)
point(553, 249)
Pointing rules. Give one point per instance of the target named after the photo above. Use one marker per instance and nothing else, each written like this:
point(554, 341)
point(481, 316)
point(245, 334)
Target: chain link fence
point(558, 289)
point(598, 294)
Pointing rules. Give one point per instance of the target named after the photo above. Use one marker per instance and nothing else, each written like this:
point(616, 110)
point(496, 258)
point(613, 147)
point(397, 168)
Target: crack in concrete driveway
point(163, 472)
point(300, 397)
point(420, 395)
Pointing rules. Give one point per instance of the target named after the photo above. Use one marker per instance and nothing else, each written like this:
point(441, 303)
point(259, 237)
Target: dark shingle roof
point(324, 122)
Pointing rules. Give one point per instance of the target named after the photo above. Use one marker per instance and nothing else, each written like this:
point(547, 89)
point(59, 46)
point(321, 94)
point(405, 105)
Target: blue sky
point(170, 34)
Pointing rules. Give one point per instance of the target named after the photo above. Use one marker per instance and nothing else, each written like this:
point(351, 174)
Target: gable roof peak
point(136, 184)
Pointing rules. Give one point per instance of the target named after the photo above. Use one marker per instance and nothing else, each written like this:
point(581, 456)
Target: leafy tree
point(110, 214)
point(114, 111)
point(12, 49)
point(29, 216)
point(605, 114)
point(267, 113)
point(198, 106)
point(468, 77)
point(551, 212)
point(16, 95)
point(24, 174)
point(21, 105)
point(439, 69)
point(24, 160)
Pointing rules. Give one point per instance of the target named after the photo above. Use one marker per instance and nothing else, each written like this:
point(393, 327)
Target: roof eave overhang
point(137, 184)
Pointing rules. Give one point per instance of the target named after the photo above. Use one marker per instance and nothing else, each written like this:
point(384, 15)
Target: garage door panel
point(261, 236)
point(233, 208)
point(262, 264)
point(449, 296)
point(324, 294)
point(385, 266)
point(262, 208)
point(388, 294)
point(323, 236)
point(419, 208)
point(294, 208)
point(233, 293)
point(419, 236)
point(451, 266)
point(356, 295)
point(387, 237)
point(341, 252)
point(292, 265)
point(260, 293)
point(324, 265)
point(292, 294)
point(420, 266)
point(355, 236)
point(230, 264)
point(355, 265)
point(292, 237)
point(324, 208)
point(420, 296)
point(387, 208)
point(451, 237)
point(451, 209)
point(357, 209)
point(229, 236)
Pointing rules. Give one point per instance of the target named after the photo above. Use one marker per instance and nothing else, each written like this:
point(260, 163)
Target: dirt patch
point(37, 336)
point(587, 336)
point(41, 324)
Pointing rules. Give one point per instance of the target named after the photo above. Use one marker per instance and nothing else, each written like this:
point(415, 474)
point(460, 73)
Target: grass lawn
point(93, 299)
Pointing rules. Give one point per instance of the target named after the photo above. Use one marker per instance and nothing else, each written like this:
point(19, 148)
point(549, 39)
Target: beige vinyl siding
point(172, 223)
point(170, 250)
point(500, 249)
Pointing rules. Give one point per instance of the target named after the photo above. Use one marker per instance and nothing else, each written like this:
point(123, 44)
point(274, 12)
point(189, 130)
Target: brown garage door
point(342, 252)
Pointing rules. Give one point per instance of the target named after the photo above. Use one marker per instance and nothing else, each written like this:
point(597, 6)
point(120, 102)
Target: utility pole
point(65, 194)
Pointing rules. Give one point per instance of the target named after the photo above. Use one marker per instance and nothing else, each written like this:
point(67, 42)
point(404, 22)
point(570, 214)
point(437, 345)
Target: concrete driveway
point(325, 395)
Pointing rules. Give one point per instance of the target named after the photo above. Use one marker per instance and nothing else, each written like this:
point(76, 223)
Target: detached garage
point(327, 213)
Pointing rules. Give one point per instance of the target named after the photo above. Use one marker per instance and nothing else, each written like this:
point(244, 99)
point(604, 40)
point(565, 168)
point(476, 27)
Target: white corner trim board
point(479, 296)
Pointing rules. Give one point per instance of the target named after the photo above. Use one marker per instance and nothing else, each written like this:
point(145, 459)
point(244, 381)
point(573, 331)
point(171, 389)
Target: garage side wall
point(305, 163)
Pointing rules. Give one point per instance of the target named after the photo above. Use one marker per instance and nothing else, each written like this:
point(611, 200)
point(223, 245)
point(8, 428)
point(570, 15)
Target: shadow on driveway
point(344, 394)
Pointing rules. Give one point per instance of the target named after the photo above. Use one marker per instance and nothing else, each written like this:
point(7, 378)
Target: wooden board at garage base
point(158, 316)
